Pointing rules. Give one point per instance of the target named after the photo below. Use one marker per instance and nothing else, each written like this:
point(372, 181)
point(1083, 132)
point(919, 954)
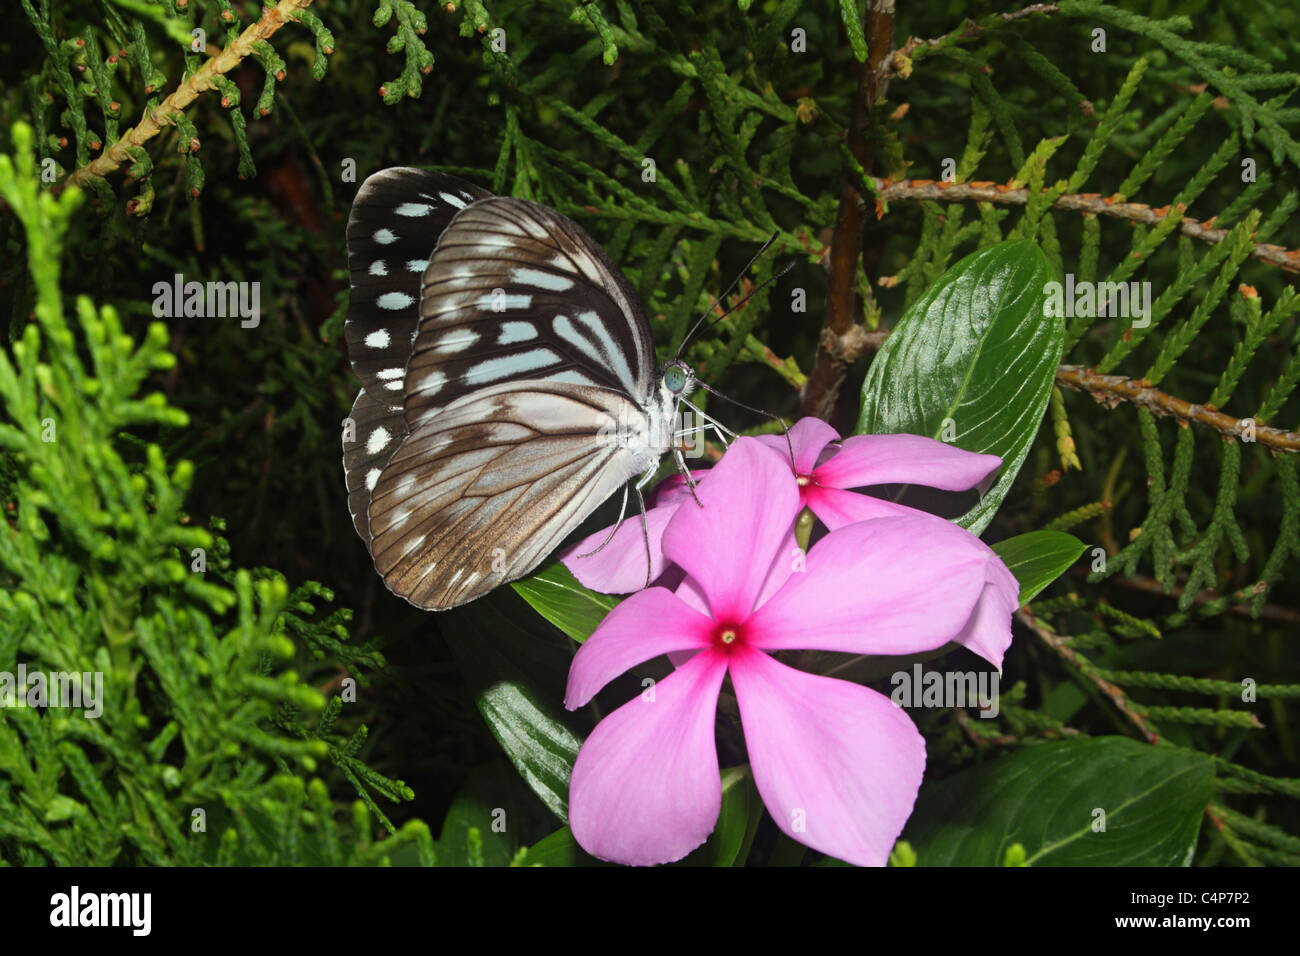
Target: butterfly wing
point(518, 292)
point(490, 376)
point(378, 431)
point(480, 493)
point(396, 219)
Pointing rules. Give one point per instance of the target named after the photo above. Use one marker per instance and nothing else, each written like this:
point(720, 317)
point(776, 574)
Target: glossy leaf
point(1038, 558)
point(498, 641)
point(556, 595)
point(972, 361)
point(738, 818)
point(1052, 798)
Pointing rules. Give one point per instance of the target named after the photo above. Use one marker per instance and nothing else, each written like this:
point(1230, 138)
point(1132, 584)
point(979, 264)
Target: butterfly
point(509, 384)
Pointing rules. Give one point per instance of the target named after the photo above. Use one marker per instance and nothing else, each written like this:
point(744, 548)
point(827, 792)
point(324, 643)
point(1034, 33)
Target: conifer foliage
point(174, 516)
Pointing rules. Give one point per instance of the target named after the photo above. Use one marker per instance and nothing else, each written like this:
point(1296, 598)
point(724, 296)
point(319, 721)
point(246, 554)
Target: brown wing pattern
point(480, 493)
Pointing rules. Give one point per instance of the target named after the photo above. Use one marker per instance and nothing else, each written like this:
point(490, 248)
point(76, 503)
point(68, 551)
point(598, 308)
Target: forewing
point(479, 494)
point(396, 219)
point(517, 292)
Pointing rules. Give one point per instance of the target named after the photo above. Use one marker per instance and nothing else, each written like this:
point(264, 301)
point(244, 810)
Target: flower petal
point(749, 501)
point(789, 559)
point(649, 623)
point(620, 566)
point(988, 632)
point(837, 764)
point(888, 586)
point(673, 489)
point(645, 787)
point(808, 438)
point(905, 459)
point(838, 508)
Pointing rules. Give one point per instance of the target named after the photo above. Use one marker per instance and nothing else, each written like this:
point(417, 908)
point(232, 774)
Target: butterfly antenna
point(734, 282)
point(756, 290)
point(761, 411)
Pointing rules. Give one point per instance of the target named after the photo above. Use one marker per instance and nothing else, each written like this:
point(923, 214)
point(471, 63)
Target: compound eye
point(675, 378)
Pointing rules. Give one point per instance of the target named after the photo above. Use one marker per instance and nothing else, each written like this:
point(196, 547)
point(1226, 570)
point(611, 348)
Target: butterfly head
point(678, 378)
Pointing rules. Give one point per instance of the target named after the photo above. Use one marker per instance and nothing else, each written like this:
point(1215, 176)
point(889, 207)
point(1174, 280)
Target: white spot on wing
point(395, 301)
point(567, 331)
point(508, 365)
point(379, 339)
point(378, 268)
point(372, 479)
point(542, 280)
point(617, 360)
point(491, 303)
point(453, 199)
point(456, 341)
point(415, 265)
point(385, 236)
point(377, 442)
point(390, 373)
point(512, 332)
point(433, 382)
point(413, 209)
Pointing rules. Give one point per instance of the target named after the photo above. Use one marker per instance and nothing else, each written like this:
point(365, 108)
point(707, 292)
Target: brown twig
point(1093, 203)
point(154, 121)
point(1110, 390)
point(899, 61)
point(838, 333)
point(1113, 693)
point(1005, 740)
point(1269, 612)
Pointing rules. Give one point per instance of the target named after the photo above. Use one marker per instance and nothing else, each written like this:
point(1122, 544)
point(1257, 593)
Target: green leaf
point(1038, 558)
point(559, 849)
point(482, 806)
point(975, 349)
point(742, 808)
point(557, 596)
point(853, 27)
point(1047, 797)
point(540, 746)
point(497, 641)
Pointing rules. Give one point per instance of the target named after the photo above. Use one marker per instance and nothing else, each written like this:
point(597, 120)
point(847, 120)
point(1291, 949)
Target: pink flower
point(825, 473)
point(837, 764)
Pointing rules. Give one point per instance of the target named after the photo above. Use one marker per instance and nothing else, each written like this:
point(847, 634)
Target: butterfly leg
point(701, 431)
point(686, 474)
point(645, 524)
point(780, 421)
point(710, 420)
point(645, 532)
point(721, 430)
point(622, 513)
